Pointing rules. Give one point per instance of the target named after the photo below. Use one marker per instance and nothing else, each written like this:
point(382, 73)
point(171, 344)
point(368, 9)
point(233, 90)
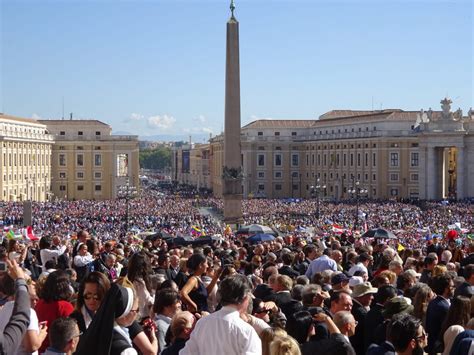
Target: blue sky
point(158, 67)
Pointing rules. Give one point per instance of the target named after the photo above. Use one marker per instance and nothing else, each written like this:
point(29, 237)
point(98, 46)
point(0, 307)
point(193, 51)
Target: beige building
point(88, 162)
point(25, 152)
point(388, 154)
point(191, 165)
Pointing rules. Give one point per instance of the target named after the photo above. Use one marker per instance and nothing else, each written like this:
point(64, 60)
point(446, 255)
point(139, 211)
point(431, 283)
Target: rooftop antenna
point(70, 116)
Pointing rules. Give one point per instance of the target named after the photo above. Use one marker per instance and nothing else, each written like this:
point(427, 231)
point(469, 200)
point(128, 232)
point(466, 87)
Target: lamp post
point(316, 189)
point(127, 192)
point(356, 191)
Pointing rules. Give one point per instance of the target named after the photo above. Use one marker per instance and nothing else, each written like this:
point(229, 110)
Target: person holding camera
point(15, 329)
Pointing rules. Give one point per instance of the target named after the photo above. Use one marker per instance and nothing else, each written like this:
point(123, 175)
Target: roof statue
point(446, 107)
point(232, 7)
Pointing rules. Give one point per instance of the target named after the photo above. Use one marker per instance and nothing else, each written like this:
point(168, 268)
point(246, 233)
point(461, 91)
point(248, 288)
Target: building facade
point(25, 153)
point(382, 154)
point(191, 165)
point(88, 162)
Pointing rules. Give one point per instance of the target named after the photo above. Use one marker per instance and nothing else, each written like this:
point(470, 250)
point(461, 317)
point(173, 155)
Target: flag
point(337, 229)
point(400, 247)
point(195, 231)
point(28, 234)
point(10, 234)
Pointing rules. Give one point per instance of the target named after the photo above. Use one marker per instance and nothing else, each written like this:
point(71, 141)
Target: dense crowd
point(88, 286)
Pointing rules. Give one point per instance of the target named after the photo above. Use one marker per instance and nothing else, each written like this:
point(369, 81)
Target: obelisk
point(232, 169)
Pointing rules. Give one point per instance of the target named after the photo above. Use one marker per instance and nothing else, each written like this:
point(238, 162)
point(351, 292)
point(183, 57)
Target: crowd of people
point(88, 286)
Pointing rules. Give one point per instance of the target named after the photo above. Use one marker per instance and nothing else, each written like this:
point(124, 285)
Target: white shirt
point(358, 267)
point(6, 313)
point(223, 332)
point(83, 260)
point(50, 254)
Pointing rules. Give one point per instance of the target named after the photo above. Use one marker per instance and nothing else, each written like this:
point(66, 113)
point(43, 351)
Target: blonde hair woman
point(284, 346)
point(267, 335)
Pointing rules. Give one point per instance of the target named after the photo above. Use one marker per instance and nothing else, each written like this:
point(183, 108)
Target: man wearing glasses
point(63, 337)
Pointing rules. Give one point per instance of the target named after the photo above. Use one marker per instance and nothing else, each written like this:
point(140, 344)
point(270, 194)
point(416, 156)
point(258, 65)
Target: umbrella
point(262, 237)
point(255, 229)
point(379, 233)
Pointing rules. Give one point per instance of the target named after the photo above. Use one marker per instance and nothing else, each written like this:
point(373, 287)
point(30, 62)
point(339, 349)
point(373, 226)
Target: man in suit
point(443, 286)
point(361, 299)
point(310, 252)
point(282, 296)
point(174, 266)
point(407, 335)
point(286, 269)
point(338, 342)
point(264, 290)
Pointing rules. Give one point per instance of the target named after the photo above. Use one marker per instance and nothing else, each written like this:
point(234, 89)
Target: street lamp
point(316, 189)
point(127, 192)
point(356, 191)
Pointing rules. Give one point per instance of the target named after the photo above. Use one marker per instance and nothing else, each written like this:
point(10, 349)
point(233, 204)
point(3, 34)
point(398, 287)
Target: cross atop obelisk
point(232, 169)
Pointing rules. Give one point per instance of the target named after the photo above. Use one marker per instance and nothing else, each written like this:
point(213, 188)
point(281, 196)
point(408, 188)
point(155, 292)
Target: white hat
point(355, 280)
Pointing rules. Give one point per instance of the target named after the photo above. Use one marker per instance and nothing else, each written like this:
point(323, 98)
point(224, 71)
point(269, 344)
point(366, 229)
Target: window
point(98, 159)
point(62, 133)
point(366, 162)
point(414, 177)
point(294, 174)
point(260, 133)
point(374, 177)
point(261, 148)
point(394, 145)
point(294, 186)
point(393, 159)
point(358, 159)
point(278, 160)
point(261, 160)
point(98, 187)
point(62, 187)
point(61, 147)
point(261, 174)
point(97, 133)
point(393, 191)
point(80, 175)
point(80, 159)
point(393, 177)
point(277, 174)
point(80, 133)
point(80, 147)
point(277, 133)
point(293, 134)
point(97, 175)
point(261, 187)
point(414, 145)
point(80, 187)
point(374, 156)
point(295, 159)
point(278, 187)
point(62, 159)
point(352, 159)
point(62, 175)
point(414, 159)
point(97, 147)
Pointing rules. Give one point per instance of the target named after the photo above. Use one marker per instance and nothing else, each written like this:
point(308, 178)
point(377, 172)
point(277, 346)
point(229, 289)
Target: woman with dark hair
point(139, 271)
point(300, 326)
point(455, 322)
point(92, 291)
point(108, 332)
point(167, 303)
point(16, 251)
point(53, 300)
point(194, 293)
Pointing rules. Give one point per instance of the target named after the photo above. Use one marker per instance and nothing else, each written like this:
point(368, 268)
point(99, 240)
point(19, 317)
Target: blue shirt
point(320, 264)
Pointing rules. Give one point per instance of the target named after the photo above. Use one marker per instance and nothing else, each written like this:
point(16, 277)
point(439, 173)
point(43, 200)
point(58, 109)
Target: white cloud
point(136, 117)
point(198, 130)
point(255, 118)
point(163, 121)
point(201, 119)
point(35, 116)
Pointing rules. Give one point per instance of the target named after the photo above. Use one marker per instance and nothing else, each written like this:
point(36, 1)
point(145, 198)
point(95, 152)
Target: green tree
point(158, 159)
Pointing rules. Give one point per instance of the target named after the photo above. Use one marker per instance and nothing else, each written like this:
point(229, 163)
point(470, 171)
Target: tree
point(157, 159)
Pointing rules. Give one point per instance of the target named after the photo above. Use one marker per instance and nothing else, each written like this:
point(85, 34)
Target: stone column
point(430, 173)
point(460, 169)
point(232, 171)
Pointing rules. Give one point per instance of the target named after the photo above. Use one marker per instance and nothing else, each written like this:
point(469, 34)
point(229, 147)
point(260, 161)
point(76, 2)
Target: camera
point(3, 266)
